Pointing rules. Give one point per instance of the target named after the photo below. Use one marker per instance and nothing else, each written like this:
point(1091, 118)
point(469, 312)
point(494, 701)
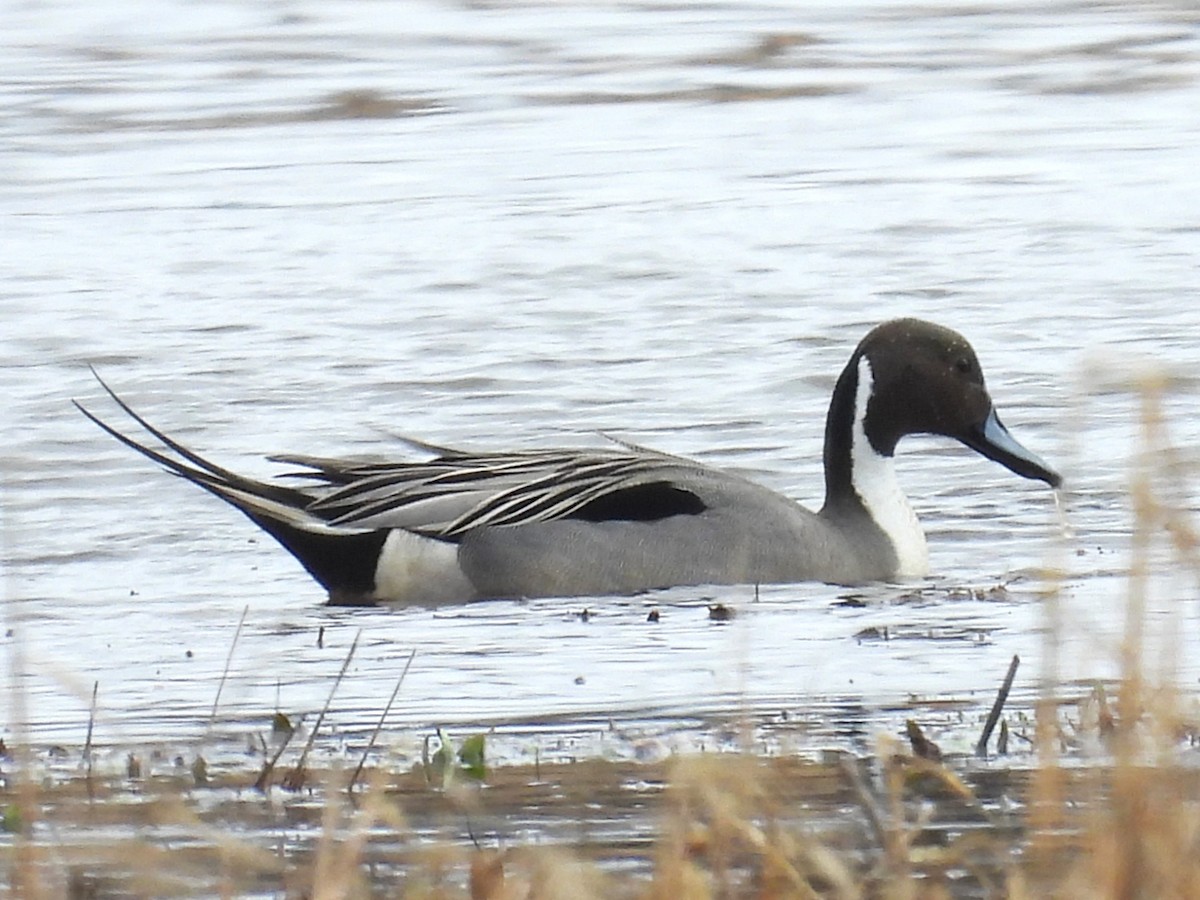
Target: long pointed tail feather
point(342, 559)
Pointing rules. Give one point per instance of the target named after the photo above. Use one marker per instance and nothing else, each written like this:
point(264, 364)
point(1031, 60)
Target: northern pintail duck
point(467, 525)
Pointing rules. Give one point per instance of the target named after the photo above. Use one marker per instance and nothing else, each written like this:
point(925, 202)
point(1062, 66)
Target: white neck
point(873, 477)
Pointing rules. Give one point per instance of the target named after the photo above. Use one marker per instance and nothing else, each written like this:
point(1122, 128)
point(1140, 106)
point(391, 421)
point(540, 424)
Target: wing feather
point(445, 497)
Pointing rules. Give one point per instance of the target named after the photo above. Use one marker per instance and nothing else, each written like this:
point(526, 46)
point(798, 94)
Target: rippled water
point(307, 226)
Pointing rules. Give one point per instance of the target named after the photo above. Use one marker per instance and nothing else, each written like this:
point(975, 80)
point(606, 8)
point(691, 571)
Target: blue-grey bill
point(993, 440)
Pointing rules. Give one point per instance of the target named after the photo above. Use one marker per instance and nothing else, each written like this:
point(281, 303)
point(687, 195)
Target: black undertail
point(343, 564)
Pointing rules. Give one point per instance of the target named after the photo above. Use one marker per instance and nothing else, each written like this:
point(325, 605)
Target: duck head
point(926, 379)
point(905, 377)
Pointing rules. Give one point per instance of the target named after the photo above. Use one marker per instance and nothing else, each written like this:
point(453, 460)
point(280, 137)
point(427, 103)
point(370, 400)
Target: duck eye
point(963, 365)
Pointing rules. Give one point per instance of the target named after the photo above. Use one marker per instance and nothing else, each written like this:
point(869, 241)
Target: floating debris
point(921, 745)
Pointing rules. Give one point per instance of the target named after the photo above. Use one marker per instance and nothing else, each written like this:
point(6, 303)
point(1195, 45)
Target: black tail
point(342, 560)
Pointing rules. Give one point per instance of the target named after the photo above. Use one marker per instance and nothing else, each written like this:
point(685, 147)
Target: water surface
point(311, 227)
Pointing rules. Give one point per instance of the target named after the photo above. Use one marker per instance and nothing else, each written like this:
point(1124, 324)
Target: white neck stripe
point(873, 477)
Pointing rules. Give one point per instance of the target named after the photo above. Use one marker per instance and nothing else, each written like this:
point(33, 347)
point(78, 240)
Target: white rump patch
point(874, 480)
point(419, 570)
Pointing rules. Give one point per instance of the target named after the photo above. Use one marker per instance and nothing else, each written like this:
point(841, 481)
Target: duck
point(463, 525)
